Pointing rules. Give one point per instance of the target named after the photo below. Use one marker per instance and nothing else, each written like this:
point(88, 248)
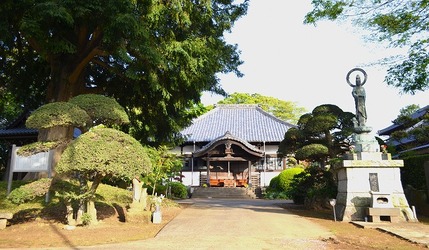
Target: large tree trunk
point(64, 84)
point(67, 79)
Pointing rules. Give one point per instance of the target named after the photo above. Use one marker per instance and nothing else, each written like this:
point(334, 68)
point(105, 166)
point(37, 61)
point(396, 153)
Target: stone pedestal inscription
point(373, 182)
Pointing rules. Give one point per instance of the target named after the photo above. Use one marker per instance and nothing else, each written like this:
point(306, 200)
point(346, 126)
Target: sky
point(307, 64)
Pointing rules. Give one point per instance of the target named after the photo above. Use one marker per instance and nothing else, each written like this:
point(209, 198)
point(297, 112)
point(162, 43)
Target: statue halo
point(365, 76)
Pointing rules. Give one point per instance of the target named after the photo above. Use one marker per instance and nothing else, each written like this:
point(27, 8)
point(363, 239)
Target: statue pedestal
point(365, 142)
point(361, 174)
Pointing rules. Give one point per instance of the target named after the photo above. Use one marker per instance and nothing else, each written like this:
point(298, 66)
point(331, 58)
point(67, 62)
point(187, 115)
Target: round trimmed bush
point(286, 177)
point(179, 190)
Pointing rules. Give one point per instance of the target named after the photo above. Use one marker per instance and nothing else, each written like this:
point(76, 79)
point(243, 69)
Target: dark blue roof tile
point(248, 122)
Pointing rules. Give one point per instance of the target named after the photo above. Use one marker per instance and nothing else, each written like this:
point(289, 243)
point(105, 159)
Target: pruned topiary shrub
point(99, 153)
point(312, 151)
point(57, 114)
point(55, 121)
point(39, 147)
point(279, 187)
point(103, 152)
point(274, 184)
point(313, 187)
point(286, 176)
point(102, 109)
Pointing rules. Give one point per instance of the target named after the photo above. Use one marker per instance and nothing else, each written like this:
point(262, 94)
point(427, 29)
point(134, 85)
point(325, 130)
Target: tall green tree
point(322, 134)
point(23, 77)
point(400, 23)
point(154, 57)
point(285, 110)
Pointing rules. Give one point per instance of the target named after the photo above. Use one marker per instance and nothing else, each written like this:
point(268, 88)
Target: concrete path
point(233, 224)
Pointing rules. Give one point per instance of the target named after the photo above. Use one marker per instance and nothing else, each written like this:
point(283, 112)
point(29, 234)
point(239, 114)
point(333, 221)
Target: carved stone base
point(365, 143)
point(354, 186)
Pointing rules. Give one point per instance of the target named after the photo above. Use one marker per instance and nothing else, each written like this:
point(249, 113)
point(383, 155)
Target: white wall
point(266, 178)
point(270, 149)
point(191, 179)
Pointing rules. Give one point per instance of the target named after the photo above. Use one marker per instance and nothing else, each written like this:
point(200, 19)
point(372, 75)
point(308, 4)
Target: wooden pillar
point(208, 171)
point(249, 168)
point(229, 165)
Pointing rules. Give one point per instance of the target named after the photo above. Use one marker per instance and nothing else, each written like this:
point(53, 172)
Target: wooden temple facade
point(233, 146)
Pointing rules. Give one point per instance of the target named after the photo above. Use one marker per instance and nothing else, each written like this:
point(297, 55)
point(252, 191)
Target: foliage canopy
point(57, 114)
point(400, 23)
point(154, 57)
point(321, 134)
point(413, 131)
point(285, 110)
point(104, 152)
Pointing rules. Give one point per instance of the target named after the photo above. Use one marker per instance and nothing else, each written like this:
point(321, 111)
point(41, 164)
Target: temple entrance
point(228, 174)
point(228, 162)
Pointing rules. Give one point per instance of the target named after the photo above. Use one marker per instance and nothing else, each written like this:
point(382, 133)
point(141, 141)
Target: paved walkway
point(250, 224)
point(233, 224)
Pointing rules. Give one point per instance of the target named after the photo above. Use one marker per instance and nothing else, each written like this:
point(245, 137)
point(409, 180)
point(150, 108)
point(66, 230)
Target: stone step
point(220, 192)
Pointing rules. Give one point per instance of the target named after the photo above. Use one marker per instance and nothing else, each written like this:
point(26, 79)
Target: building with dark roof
point(233, 145)
point(409, 143)
point(17, 133)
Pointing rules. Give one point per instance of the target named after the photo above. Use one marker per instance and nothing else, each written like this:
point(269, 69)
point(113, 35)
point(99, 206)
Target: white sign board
point(34, 163)
point(40, 162)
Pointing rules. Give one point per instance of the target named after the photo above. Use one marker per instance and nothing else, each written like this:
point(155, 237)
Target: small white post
point(333, 202)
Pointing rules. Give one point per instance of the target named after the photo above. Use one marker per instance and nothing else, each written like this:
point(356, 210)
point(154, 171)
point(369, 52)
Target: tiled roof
point(248, 122)
point(229, 136)
point(17, 132)
point(392, 128)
